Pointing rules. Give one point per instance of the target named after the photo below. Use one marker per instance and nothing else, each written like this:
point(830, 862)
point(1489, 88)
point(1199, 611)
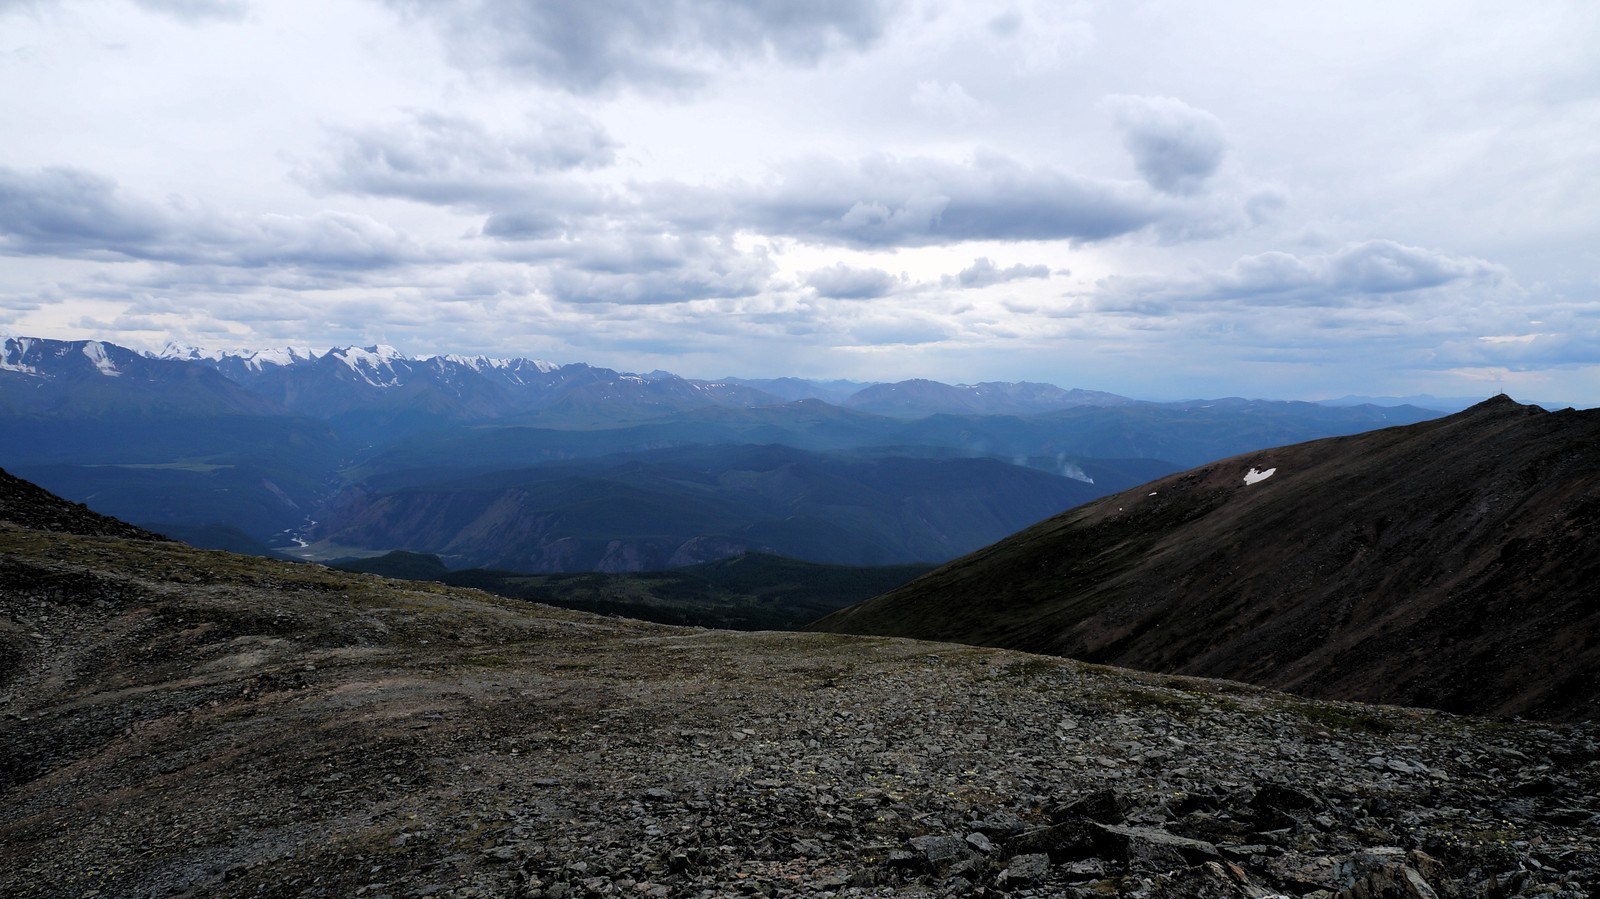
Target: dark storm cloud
point(1175, 146)
point(70, 213)
point(845, 282)
point(884, 201)
point(599, 45)
point(451, 160)
point(984, 273)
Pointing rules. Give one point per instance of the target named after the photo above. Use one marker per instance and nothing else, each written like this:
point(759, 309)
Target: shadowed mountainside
point(180, 722)
point(696, 504)
point(1448, 564)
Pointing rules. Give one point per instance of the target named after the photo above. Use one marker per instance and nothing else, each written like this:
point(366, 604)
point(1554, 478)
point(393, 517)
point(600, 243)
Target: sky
point(1158, 199)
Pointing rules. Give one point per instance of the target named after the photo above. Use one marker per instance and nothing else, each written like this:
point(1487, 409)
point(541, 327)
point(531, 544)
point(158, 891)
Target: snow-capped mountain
point(92, 377)
point(375, 383)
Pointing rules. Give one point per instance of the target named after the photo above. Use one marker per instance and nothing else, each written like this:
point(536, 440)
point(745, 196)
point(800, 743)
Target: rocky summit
point(1448, 564)
point(176, 722)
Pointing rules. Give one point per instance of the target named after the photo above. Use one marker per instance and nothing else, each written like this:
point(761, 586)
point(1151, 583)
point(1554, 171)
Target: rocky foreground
point(185, 723)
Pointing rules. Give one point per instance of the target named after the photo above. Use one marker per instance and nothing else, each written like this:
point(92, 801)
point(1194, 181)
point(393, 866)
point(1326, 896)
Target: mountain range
point(1450, 564)
point(365, 450)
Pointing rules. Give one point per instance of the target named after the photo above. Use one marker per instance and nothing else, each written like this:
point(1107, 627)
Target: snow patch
point(96, 351)
point(1255, 477)
point(15, 349)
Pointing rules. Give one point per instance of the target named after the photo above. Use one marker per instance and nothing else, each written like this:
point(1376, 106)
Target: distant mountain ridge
point(265, 448)
point(1450, 563)
point(921, 397)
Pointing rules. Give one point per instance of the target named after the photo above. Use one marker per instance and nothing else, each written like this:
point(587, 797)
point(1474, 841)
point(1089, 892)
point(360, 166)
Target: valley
point(546, 468)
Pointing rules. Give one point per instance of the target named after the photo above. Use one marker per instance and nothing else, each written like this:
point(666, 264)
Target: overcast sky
point(1161, 199)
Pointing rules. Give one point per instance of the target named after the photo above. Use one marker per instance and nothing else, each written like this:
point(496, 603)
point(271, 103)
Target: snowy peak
point(184, 352)
point(514, 370)
point(374, 364)
point(254, 360)
point(280, 356)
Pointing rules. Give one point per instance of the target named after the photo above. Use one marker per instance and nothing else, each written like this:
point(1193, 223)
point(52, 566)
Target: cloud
point(199, 10)
point(452, 160)
point(844, 282)
point(1175, 146)
point(651, 270)
point(948, 102)
point(71, 213)
point(1357, 273)
point(883, 201)
point(598, 46)
point(984, 273)
point(1383, 266)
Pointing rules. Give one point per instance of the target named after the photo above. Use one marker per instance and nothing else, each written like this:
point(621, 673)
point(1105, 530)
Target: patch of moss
point(1177, 705)
point(1333, 717)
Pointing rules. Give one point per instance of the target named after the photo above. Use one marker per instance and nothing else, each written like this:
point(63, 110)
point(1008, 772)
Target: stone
point(1025, 869)
point(1148, 850)
point(1103, 806)
point(1207, 881)
point(980, 842)
point(941, 849)
point(1062, 842)
point(1390, 882)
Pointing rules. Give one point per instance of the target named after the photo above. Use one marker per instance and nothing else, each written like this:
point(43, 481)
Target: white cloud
point(948, 102)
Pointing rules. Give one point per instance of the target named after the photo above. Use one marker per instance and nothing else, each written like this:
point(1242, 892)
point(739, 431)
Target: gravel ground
point(183, 723)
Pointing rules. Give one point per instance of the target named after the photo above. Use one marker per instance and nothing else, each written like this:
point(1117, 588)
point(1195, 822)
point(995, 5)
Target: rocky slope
point(28, 505)
point(1449, 564)
point(175, 722)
